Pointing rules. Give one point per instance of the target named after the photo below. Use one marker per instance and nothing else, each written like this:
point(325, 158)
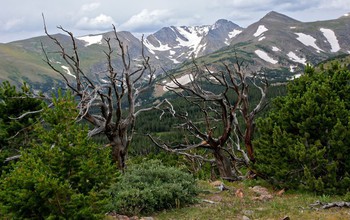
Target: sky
point(21, 19)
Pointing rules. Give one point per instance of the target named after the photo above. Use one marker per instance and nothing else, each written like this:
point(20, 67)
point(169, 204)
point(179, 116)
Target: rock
point(248, 212)
point(216, 198)
point(245, 218)
point(115, 215)
point(218, 184)
point(239, 193)
point(285, 218)
point(281, 192)
point(330, 204)
point(146, 218)
point(122, 217)
point(262, 198)
point(262, 192)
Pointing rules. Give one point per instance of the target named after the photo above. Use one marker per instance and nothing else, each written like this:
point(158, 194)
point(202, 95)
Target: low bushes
point(151, 186)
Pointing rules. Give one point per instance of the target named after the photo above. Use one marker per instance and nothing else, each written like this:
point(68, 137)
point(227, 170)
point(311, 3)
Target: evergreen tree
point(15, 133)
point(62, 175)
point(304, 141)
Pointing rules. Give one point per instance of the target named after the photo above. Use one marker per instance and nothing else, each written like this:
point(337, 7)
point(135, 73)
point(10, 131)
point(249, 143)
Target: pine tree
point(304, 141)
point(62, 175)
point(15, 133)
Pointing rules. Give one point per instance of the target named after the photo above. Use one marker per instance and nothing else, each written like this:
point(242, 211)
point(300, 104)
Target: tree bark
point(119, 146)
point(248, 141)
point(224, 164)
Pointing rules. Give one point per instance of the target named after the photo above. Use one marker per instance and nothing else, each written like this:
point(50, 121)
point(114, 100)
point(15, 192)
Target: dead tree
point(109, 104)
point(219, 131)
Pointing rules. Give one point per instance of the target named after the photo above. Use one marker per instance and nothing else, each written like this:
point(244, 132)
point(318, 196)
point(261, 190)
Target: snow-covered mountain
point(280, 43)
point(173, 45)
point(178, 44)
point(277, 43)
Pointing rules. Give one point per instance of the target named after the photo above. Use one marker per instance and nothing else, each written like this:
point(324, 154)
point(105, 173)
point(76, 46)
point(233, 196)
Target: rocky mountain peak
point(224, 23)
point(275, 17)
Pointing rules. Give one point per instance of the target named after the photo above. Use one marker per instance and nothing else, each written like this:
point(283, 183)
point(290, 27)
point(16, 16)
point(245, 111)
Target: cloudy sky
point(20, 19)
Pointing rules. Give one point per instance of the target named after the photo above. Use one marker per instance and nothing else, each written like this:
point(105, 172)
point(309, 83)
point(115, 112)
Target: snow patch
point(175, 61)
point(66, 68)
point(332, 39)
point(261, 38)
point(104, 81)
point(263, 55)
point(200, 48)
point(276, 49)
point(213, 79)
point(308, 40)
point(172, 52)
point(292, 68)
point(297, 75)
point(261, 29)
point(231, 35)
point(347, 14)
point(91, 39)
point(182, 80)
point(292, 56)
point(193, 35)
point(294, 76)
point(292, 27)
point(234, 33)
point(162, 47)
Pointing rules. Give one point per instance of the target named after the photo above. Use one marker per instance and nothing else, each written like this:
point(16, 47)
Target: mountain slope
point(284, 45)
point(18, 65)
point(166, 48)
point(277, 44)
point(178, 44)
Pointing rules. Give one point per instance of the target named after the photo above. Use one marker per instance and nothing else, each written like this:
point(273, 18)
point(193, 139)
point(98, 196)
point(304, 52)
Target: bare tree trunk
point(100, 101)
point(119, 146)
point(248, 141)
point(223, 163)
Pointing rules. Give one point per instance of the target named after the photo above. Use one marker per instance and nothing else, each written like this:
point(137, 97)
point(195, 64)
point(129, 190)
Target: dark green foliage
point(151, 186)
point(14, 134)
point(63, 175)
point(347, 197)
point(304, 141)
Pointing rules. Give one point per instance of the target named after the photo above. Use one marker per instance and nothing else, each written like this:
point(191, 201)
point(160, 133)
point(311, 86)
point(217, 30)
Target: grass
point(295, 205)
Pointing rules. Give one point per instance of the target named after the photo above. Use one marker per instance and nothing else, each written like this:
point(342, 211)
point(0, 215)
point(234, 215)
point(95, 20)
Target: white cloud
point(90, 7)
point(12, 24)
point(92, 15)
point(147, 19)
point(335, 4)
point(99, 22)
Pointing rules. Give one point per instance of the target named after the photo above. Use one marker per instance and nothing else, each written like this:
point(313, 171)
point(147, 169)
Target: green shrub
point(15, 133)
point(151, 186)
point(304, 142)
point(63, 175)
point(347, 197)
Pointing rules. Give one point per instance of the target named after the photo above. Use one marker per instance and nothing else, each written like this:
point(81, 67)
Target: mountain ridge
point(276, 42)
